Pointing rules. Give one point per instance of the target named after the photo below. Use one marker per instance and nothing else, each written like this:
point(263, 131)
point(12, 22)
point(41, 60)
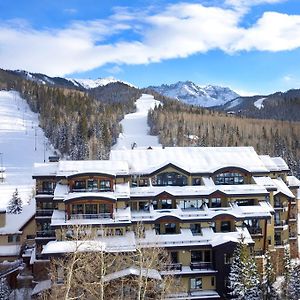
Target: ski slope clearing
point(135, 127)
point(22, 143)
point(259, 103)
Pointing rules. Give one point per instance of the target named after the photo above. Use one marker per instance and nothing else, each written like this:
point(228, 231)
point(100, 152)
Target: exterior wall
point(2, 218)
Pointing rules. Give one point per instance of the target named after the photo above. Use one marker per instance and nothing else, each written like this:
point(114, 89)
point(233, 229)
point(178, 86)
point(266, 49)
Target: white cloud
point(115, 70)
point(179, 30)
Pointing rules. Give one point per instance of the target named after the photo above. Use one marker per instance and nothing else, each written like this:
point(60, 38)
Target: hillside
point(77, 123)
point(182, 125)
point(278, 106)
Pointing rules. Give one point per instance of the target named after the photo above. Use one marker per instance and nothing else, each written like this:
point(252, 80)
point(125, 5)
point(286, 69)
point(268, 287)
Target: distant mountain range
point(193, 94)
point(81, 84)
point(280, 105)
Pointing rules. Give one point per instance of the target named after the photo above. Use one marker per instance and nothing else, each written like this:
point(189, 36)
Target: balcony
point(255, 230)
point(45, 192)
point(91, 216)
point(293, 235)
point(280, 223)
point(174, 267)
point(201, 265)
point(45, 234)
point(44, 212)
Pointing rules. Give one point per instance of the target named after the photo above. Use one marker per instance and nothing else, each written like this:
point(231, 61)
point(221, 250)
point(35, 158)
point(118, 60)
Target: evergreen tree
point(244, 280)
point(269, 279)
point(286, 272)
point(294, 284)
point(15, 204)
point(4, 289)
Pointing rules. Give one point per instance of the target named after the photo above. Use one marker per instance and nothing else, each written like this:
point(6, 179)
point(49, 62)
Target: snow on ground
point(135, 127)
point(259, 103)
point(22, 143)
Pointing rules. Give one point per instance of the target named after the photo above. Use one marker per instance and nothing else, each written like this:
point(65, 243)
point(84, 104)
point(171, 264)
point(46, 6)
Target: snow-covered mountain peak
point(194, 94)
point(94, 83)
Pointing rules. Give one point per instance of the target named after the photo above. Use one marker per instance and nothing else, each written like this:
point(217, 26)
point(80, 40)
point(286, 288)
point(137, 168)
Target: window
point(48, 186)
point(13, 238)
point(193, 204)
point(92, 185)
point(170, 228)
point(196, 229)
point(227, 258)
point(166, 203)
point(143, 205)
point(225, 226)
point(215, 202)
point(105, 185)
point(213, 281)
point(201, 256)
point(169, 178)
point(196, 181)
point(196, 283)
point(77, 209)
point(91, 209)
point(174, 257)
point(143, 182)
point(229, 178)
point(79, 185)
point(105, 208)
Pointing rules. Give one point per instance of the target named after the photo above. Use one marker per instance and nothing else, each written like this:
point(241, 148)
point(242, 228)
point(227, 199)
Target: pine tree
point(15, 204)
point(244, 280)
point(269, 279)
point(294, 284)
point(4, 289)
point(286, 272)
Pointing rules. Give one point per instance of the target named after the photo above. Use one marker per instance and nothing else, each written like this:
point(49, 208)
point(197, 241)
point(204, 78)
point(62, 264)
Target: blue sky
point(250, 46)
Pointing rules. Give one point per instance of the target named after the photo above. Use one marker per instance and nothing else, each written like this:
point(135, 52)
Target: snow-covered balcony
point(193, 295)
point(59, 218)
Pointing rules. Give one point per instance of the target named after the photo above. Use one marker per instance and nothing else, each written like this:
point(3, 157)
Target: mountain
point(278, 106)
point(71, 83)
point(193, 94)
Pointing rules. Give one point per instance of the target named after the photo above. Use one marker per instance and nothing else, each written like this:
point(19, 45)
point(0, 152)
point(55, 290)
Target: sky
point(251, 46)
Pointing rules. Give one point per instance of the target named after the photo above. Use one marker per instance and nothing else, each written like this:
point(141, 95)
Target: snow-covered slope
point(194, 94)
point(135, 127)
point(94, 83)
point(22, 143)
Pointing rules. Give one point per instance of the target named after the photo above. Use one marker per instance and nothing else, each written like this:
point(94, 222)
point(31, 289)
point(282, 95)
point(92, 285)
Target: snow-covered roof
point(149, 273)
point(74, 196)
point(242, 189)
point(10, 250)
point(191, 159)
point(108, 243)
point(14, 222)
point(293, 181)
point(282, 188)
point(45, 169)
point(68, 168)
point(265, 181)
point(274, 164)
point(41, 287)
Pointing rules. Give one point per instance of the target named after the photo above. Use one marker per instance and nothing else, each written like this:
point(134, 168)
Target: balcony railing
point(174, 267)
point(45, 234)
point(44, 212)
point(278, 204)
point(254, 230)
point(280, 223)
point(201, 265)
point(83, 190)
point(45, 191)
point(91, 216)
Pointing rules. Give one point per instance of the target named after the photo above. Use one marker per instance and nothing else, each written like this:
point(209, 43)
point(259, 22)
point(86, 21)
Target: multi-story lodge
point(195, 202)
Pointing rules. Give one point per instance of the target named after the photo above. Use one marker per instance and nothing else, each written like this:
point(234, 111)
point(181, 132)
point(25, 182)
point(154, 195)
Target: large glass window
point(225, 226)
point(196, 283)
point(91, 209)
point(229, 178)
point(48, 186)
point(215, 202)
point(104, 208)
point(105, 185)
point(201, 256)
point(169, 178)
point(170, 228)
point(196, 181)
point(193, 204)
point(92, 185)
point(196, 229)
point(79, 185)
point(77, 209)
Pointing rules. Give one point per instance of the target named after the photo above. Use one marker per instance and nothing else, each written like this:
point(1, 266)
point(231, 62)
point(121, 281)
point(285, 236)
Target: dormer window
point(169, 178)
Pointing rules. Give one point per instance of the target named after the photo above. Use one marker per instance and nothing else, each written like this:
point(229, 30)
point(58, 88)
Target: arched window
point(169, 178)
point(229, 178)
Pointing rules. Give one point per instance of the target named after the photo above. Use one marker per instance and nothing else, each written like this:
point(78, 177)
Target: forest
point(178, 124)
point(78, 124)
